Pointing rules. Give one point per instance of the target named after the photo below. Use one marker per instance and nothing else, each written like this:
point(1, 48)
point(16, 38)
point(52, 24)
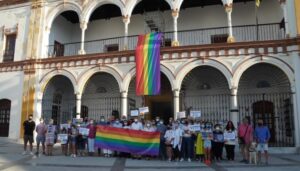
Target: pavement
point(11, 159)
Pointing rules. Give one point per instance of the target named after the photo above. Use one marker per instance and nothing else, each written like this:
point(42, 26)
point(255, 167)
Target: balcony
point(245, 33)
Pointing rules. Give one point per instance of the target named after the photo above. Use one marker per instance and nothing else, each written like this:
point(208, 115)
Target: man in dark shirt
point(29, 126)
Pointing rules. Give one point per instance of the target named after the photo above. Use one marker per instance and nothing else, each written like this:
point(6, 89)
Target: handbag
point(242, 139)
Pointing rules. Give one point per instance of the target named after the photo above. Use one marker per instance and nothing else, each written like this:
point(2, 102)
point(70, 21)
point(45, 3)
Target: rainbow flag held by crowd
point(127, 140)
point(147, 58)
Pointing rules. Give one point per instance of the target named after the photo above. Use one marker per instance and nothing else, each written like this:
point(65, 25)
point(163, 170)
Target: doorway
point(4, 117)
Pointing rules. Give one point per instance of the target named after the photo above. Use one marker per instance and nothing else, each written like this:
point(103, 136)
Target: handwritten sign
point(64, 126)
point(134, 113)
point(181, 114)
point(84, 131)
point(229, 135)
point(63, 138)
point(195, 114)
point(144, 110)
point(195, 128)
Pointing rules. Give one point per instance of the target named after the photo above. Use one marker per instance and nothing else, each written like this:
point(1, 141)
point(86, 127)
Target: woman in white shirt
point(230, 140)
point(177, 134)
point(169, 138)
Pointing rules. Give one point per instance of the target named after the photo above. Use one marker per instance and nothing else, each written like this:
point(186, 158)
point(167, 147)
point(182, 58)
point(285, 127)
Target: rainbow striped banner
point(126, 140)
point(147, 57)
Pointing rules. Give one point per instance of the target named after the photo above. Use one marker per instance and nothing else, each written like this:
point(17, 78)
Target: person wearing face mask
point(117, 124)
point(41, 130)
point(91, 137)
point(161, 127)
point(102, 122)
point(177, 141)
point(262, 136)
point(230, 140)
point(200, 143)
point(50, 137)
point(218, 142)
point(29, 126)
point(187, 142)
point(148, 127)
point(207, 137)
point(136, 125)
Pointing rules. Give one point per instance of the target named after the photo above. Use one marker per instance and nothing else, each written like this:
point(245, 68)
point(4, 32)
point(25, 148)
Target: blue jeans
point(187, 147)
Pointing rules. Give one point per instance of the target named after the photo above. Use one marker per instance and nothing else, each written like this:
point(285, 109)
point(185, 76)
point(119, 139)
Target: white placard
point(62, 137)
point(229, 135)
point(181, 114)
point(134, 113)
point(66, 126)
point(84, 131)
point(144, 110)
point(195, 128)
point(196, 114)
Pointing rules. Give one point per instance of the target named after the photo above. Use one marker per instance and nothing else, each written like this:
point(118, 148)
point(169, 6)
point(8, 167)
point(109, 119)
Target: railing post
point(83, 26)
point(285, 17)
point(228, 9)
point(126, 21)
point(175, 15)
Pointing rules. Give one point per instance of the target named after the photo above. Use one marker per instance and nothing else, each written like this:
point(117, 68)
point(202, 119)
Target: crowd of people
point(183, 139)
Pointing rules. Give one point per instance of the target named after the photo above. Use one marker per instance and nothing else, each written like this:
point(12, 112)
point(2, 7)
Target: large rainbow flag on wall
point(126, 140)
point(147, 57)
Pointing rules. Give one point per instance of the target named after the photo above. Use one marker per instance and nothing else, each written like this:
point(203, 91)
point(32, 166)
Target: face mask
point(102, 120)
point(117, 122)
point(30, 118)
point(148, 125)
point(202, 126)
point(135, 120)
point(157, 120)
point(161, 122)
point(218, 128)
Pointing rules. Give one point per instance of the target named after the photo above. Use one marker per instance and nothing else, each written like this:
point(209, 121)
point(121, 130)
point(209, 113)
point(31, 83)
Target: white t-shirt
point(177, 134)
point(169, 135)
point(137, 126)
point(149, 129)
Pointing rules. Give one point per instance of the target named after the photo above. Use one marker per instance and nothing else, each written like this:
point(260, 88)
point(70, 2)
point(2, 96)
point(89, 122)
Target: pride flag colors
point(147, 57)
point(126, 140)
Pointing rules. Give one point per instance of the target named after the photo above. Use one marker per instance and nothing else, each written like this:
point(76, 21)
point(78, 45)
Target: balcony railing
point(244, 33)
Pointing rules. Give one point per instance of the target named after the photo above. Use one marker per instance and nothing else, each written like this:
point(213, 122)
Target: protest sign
point(181, 115)
point(143, 110)
point(195, 114)
point(229, 136)
point(134, 113)
point(84, 131)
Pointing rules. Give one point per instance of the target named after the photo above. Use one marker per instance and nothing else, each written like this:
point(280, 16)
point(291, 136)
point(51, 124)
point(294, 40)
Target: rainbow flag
point(126, 140)
point(147, 57)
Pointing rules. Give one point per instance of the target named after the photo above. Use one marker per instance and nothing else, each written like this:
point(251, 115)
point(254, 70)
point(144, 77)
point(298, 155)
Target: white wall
point(9, 18)
point(11, 87)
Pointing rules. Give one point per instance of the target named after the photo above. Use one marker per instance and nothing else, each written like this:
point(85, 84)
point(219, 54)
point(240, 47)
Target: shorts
point(262, 147)
point(72, 140)
point(40, 139)
point(28, 138)
point(207, 143)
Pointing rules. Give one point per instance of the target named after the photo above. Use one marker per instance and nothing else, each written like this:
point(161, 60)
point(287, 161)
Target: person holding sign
point(50, 137)
point(207, 136)
point(218, 142)
point(230, 139)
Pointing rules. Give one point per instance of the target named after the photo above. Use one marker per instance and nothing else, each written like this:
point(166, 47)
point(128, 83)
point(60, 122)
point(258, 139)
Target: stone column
point(45, 47)
point(176, 102)
point(126, 21)
point(296, 116)
point(78, 105)
point(38, 107)
point(175, 15)
point(83, 26)
point(285, 16)
point(124, 103)
point(234, 106)
point(228, 9)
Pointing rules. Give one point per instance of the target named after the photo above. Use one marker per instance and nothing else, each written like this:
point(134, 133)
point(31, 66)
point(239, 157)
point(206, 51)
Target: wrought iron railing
point(244, 33)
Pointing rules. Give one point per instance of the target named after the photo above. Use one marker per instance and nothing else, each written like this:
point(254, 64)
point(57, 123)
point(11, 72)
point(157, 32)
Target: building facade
point(228, 59)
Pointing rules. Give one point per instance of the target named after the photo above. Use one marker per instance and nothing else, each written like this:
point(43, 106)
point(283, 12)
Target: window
point(9, 47)
point(59, 49)
point(112, 48)
point(219, 38)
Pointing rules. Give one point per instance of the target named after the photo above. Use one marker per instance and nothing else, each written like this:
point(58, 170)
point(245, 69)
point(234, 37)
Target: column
point(124, 103)
point(176, 102)
point(234, 106)
point(228, 10)
point(126, 21)
point(83, 26)
point(78, 105)
point(285, 17)
point(38, 107)
point(175, 15)
point(296, 116)
point(48, 52)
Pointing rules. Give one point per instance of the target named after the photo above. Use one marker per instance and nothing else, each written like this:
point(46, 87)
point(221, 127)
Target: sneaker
point(74, 155)
point(189, 160)
point(181, 160)
point(31, 153)
point(169, 159)
point(24, 153)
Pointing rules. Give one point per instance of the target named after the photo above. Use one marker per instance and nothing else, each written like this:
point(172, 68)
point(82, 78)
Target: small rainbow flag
point(126, 140)
point(147, 57)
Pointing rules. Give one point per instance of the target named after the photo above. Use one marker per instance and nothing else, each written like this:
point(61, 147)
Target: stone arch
point(48, 76)
point(91, 7)
point(131, 74)
point(242, 66)
point(189, 66)
point(131, 5)
point(60, 8)
point(83, 79)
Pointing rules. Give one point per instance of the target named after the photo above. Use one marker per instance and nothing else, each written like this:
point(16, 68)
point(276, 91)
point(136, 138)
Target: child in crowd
point(207, 137)
point(72, 139)
point(80, 144)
